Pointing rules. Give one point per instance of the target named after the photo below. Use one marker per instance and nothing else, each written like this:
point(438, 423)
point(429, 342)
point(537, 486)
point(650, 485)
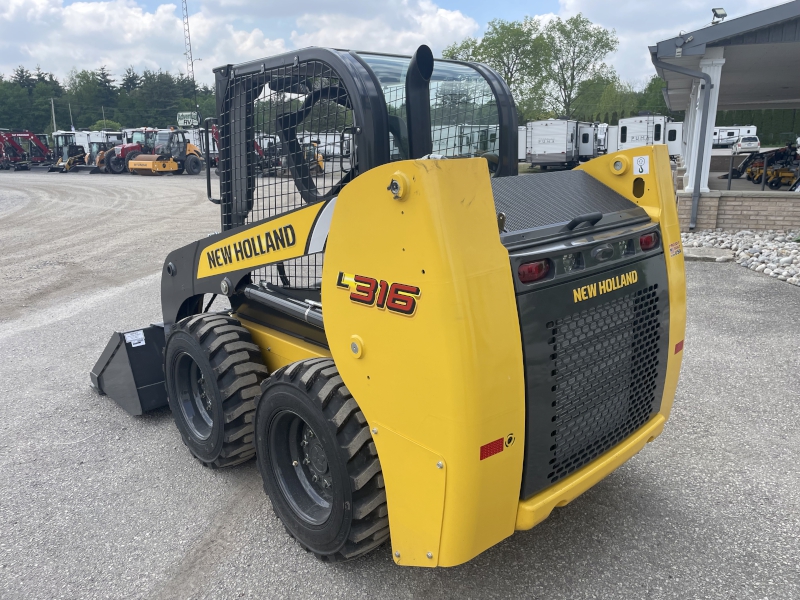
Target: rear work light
point(649, 240)
point(534, 271)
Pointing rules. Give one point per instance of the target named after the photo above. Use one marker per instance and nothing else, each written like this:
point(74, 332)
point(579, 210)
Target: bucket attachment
point(130, 370)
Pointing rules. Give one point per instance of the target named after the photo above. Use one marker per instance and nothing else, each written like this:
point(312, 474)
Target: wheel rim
point(193, 396)
point(301, 468)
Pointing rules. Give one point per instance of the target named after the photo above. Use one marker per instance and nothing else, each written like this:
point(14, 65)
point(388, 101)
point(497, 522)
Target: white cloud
point(401, 28)
point(642, 24)
point(59, 36)
point(119, 33)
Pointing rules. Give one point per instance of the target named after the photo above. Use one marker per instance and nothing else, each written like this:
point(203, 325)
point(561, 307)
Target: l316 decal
point(397, 297)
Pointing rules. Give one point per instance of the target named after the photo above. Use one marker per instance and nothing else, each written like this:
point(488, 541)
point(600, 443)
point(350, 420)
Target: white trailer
point(727, 136)
point(649, 130)
point(602, 138)
point(675, 139)
point(587, 141)
point(612, 139)
point(553, 143)
point(522, 143)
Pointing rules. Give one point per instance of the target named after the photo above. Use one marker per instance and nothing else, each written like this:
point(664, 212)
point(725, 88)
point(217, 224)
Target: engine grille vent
point(604, 370)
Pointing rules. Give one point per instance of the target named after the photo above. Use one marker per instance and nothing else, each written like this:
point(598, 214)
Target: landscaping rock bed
point(773, 253)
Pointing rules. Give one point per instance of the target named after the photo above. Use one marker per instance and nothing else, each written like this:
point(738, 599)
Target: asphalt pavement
point(95, 503)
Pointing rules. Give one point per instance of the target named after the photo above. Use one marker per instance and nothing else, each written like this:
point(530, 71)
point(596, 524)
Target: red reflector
point(491, 448)
point(678, 346)
point(533, 271)
point(649, 241)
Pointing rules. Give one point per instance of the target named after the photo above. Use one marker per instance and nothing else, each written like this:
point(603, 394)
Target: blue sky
point(60, 35)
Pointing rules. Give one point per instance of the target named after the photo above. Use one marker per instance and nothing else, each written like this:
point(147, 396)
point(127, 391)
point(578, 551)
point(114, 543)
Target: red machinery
point(38, 151)
point(14, 155)
point(138, 141)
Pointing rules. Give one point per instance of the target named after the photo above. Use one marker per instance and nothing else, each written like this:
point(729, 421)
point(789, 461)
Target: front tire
point(318, 462)
point(192, 165)
point(213, 372)
point(114, 163)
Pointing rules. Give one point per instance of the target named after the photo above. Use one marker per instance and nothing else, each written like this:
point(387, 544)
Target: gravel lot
point(97, 504)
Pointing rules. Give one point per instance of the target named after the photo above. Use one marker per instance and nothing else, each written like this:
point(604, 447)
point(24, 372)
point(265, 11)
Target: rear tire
point(213, 372)
point(775, 184)
point(318, 462)
point(192, 165)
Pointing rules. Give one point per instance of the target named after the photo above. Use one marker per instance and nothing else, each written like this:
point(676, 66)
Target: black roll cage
point(237, 90)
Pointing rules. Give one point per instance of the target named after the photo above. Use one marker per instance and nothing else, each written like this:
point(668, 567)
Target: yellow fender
point(424, 235)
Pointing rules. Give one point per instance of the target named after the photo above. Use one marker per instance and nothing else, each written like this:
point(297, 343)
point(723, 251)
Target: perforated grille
point(300, 150)
point(604, 369)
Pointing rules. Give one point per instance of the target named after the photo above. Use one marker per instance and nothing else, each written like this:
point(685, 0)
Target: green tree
point(513, 49)
point(23, 78)
point(131, 80)
point(575, 51)
point(107, 124)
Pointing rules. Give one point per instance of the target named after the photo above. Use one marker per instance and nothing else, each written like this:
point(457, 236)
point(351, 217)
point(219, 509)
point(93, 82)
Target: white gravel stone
point(773, 253)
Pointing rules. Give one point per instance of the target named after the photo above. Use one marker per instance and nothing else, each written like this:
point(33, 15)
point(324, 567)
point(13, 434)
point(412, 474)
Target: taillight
point(649, 240)
point(533, 271)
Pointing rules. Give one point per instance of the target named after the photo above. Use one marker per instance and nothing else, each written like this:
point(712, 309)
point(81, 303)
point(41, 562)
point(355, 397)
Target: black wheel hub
point(300, 464)
point(193, 396)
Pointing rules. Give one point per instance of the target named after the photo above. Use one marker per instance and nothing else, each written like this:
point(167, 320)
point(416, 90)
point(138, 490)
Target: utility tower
point(189, 60)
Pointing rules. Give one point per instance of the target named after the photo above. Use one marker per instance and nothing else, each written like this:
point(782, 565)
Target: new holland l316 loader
point(425, 348)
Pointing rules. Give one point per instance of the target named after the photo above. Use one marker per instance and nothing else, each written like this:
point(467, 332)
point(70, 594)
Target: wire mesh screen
point(464, 115)
point(299, 149)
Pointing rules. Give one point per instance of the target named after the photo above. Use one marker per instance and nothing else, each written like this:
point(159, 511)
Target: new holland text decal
point(396, 297)
point(603, 287)
point(272, 240)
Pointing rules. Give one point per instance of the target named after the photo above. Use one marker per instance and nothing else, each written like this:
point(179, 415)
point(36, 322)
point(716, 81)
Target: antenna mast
point(189, 60)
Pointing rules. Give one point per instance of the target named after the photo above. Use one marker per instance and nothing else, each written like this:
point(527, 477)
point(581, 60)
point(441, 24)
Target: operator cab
point(171, 143)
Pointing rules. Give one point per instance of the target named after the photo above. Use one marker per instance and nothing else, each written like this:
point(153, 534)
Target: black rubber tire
point(774, 184)
point(357, 520)
point(114, 163)
point(231, 369)
point(192, 165)
point(756, 180)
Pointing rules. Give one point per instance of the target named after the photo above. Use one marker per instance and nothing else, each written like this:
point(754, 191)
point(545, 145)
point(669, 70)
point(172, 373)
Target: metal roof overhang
point(762, 60)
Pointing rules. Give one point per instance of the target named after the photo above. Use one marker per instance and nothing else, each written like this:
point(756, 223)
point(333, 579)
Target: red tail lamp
point(649, 240)
point(534, 271)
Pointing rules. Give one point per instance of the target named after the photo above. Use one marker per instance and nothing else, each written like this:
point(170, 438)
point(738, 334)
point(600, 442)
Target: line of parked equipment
point(142, 150)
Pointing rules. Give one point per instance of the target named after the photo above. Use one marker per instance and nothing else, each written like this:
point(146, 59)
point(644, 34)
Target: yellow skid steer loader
point(424, 344)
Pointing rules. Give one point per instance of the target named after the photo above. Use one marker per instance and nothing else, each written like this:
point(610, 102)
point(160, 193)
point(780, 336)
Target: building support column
point(712, 66)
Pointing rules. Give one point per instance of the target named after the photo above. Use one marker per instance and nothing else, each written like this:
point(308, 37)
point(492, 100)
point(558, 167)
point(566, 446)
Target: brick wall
point(742, 210)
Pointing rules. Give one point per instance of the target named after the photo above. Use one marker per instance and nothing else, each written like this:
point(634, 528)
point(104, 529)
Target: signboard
point(188, 119)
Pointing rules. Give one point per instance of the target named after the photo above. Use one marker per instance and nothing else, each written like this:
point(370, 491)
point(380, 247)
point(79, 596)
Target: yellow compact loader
point(173, 154)
point(425, 345)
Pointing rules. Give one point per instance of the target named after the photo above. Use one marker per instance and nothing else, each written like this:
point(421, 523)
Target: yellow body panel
point(537, 508)
point(152, 167)
point(419, 537)
point(280, 349)
point(437, 367)
point(659, 201)
point(270, 241)
point(447, 379)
